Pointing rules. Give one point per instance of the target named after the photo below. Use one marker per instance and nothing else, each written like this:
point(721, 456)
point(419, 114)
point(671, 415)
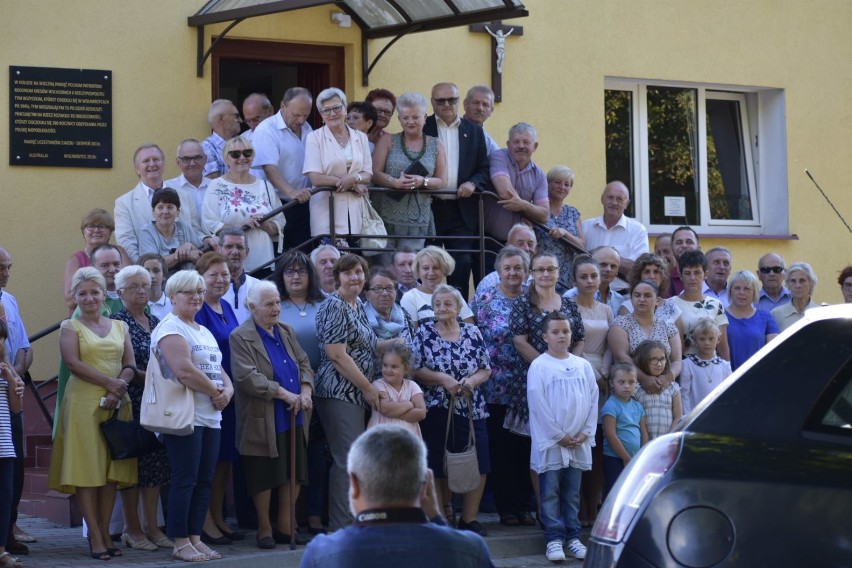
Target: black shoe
point(317, 530)
point(266, 543)
point(282, 538)
point(233, 535)
point(16, 547)
point(220, 541)
point(473, 526)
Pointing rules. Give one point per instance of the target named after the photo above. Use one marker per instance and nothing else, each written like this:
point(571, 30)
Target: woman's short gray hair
point(255, 293)
point(561, 172)
point(804, 267)
point(509, 251)
point(184, 281)
point(747, 277)
point(447, 289)
point(328, 94)
point(411, 100)
point(87, 274)
point(129, 272)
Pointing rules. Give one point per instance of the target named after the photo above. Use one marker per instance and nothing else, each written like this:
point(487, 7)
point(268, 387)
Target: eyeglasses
point(768, 269)
point(136, 288)
point(190, 159)
point(193, 293)
point(291, 272)
point(234, 114)
point(382, 289)
point(331, 110)
point(235, 154)
point(549, 270)
point(657, 360)
point(100, 228)
point(383, 112)
point(446, 102)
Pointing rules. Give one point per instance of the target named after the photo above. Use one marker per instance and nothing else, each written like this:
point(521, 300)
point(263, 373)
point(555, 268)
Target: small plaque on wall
point(60, 117)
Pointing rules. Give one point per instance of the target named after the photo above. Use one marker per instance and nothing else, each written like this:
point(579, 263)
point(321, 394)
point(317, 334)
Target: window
point(699, 155)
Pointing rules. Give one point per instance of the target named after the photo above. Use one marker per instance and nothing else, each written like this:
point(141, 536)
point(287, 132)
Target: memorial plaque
point(60, 117)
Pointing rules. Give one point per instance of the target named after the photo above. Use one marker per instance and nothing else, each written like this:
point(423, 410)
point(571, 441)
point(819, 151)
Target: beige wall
point(553, 78)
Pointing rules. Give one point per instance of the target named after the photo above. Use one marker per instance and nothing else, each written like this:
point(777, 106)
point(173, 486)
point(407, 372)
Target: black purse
point(127, 439)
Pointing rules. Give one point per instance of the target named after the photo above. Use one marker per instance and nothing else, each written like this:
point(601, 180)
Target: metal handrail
point(481, 237)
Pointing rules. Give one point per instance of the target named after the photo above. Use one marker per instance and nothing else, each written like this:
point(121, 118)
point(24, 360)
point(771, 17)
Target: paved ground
point(63, 547)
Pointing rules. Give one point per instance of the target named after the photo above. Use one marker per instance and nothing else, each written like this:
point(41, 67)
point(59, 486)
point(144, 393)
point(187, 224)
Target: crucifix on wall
point(498, 32)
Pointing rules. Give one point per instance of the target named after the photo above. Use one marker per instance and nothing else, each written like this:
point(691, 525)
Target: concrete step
point(59, 508)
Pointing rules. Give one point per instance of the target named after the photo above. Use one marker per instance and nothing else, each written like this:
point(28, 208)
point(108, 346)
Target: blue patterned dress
point(567, 219)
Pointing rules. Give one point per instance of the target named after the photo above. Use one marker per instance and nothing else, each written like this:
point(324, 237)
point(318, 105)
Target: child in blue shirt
point(623, 423)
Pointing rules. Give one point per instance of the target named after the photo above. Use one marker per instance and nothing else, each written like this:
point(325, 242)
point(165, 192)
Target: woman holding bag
point(452, 361)
point(187, 352)
point(99, 356)
point(337, 156)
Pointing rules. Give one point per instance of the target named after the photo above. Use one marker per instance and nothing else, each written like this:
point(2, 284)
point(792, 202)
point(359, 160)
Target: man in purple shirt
point(520, 183)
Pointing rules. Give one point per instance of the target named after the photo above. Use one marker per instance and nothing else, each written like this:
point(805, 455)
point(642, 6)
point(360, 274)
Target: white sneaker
point(555, 552)
point(575, 548)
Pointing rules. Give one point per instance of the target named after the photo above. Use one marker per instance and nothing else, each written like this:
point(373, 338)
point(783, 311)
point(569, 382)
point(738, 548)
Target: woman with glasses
point(337, 156)
point(387, 318)
point(411, 162)
point(749, 328)
point(133, 284)
point(301, 298)
point(188, 352)
point(219, 318)
point(384, 102)
point(97, 227)
point(239, 199)
point(174, 240)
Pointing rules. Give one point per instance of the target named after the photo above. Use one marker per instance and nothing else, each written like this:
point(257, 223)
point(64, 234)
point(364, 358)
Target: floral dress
point(567, 219)
point(459, 359)
point(228, 204)
point(527, 320)
point(492, 310)
point(153, 468)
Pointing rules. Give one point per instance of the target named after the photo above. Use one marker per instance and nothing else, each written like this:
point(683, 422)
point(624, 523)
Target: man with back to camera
point(397, 520)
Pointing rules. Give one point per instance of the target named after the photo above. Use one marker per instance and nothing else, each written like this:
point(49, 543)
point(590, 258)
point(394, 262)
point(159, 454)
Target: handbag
point(127, 439)
point(372, 225)
point(168, 407)
point(461, 468)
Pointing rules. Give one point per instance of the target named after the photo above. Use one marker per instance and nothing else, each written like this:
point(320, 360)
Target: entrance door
point(242, 67)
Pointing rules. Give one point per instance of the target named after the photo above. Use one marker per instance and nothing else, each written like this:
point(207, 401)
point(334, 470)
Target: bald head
point(615, 199)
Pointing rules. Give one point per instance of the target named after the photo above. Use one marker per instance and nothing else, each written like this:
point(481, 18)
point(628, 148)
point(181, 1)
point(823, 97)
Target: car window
point(832, 414)
point(839, 415)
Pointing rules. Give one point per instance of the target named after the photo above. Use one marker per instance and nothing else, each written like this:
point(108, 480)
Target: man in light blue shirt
point(771, 269)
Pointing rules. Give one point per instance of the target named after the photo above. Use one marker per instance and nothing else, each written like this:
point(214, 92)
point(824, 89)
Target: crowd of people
point(557, 369)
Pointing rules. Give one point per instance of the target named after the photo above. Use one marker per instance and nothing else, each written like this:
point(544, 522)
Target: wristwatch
point(425, 183)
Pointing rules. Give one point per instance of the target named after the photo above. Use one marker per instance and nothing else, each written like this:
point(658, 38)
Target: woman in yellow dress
point(99, 355)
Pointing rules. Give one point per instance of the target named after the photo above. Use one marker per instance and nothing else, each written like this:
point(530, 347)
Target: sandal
point(105, 555)
point(191, 555)
point(9, 561)
point(207, 551)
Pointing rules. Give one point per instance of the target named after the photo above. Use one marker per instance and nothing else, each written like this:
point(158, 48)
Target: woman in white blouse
point(337, 156)
point(239, 199)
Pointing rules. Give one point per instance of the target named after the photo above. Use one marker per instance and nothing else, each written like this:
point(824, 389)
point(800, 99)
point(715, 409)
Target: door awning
point(375, 18)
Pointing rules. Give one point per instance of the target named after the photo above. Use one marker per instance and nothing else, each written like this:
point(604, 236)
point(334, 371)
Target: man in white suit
point(133, 209)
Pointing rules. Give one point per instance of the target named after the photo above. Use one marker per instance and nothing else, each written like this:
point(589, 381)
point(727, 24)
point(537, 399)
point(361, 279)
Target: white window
point(709, 156)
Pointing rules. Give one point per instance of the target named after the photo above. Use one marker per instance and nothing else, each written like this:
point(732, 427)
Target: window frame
point(762, 118)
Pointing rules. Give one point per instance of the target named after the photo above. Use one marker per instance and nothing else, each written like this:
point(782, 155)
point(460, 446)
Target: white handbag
point(168, 407)
point(372, 224)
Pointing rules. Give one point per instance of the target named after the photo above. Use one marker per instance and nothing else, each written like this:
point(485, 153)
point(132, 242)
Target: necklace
point(302, 309)
point(346, 140)
point(411, 156)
